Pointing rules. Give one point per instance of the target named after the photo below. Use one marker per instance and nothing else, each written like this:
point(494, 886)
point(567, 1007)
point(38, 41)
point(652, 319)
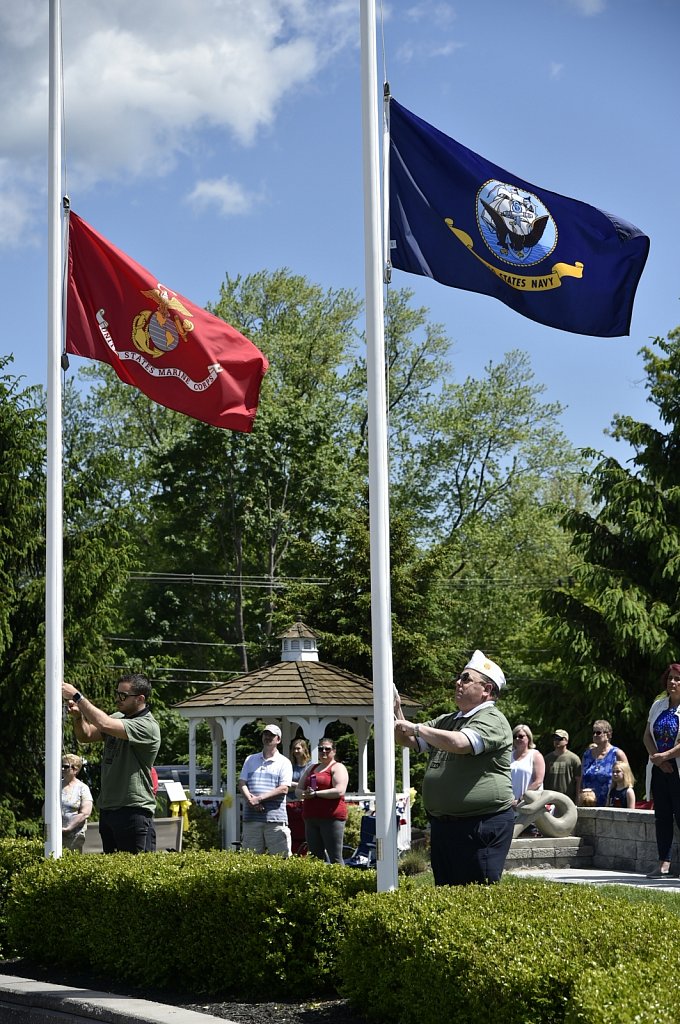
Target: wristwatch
point(416, 731)
point(77, 697)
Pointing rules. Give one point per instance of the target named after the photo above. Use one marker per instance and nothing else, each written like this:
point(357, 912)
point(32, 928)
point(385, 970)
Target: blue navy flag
point(469, 224)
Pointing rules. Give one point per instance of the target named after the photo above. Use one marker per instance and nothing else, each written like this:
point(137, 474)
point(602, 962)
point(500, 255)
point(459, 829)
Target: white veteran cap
point(480, 663)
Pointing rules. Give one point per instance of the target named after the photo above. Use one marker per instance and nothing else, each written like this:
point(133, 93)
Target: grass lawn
point(631, 893)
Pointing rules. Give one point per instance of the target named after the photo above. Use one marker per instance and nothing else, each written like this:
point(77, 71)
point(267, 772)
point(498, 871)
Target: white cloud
point(589, 7)
point(431, 11)
point(227, 196)
point(17, 210)
point(410, 50)
point(141, 82)
point(556, 69)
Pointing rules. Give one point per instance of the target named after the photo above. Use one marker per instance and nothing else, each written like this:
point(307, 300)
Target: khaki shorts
point(266, 837)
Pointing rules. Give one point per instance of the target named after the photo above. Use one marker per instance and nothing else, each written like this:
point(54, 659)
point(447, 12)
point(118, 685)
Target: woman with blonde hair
point(76, 804)
point(527, 768)
point(299, 756)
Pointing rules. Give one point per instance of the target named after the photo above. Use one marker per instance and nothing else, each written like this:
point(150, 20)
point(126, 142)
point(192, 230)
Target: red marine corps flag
point(155, 339)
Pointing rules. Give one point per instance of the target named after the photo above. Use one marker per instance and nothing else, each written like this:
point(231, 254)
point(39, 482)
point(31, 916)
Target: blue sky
point(225, 136)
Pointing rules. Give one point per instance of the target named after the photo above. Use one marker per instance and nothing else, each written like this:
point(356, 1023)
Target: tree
point(616, 625)
point(96, 552)
point(241, 510)
point(247, 519)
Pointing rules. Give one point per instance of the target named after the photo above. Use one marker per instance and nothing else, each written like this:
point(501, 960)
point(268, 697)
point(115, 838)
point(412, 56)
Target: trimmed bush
point(204, 830)
point(15, 856)
point(632, 993)
point(209, 923)
point(352, 827)
point(533, 951)
point(414, 862)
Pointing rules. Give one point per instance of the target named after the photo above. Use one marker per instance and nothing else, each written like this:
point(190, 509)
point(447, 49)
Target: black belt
point(463, 817)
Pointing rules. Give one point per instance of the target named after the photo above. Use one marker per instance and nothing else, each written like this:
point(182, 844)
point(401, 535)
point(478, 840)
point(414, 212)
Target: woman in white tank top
point(527, 767)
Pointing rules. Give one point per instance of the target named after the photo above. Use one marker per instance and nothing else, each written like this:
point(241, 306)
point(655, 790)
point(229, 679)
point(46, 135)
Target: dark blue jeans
point(127, 830)
point(465, 850)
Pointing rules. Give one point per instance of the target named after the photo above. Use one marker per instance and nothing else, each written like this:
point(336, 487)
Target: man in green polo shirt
point(131, 740)
point(466, 788)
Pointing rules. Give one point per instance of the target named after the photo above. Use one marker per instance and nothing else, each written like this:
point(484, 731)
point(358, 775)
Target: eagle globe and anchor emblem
point(157, 332)
point(515, 225)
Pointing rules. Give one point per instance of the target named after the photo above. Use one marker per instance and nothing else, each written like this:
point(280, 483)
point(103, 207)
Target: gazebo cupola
point(299, 644)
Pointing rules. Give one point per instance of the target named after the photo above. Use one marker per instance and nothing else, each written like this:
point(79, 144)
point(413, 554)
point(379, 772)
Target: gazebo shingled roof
point(291, 683)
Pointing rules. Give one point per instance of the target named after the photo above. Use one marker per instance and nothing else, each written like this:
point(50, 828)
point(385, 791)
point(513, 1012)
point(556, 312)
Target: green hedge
point(528, 951)
point(208, 923)
point(15, 856)
point(627, 993)
point(246, 926)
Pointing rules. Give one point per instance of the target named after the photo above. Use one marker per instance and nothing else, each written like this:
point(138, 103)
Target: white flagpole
point(54, 599)
point(383, 701)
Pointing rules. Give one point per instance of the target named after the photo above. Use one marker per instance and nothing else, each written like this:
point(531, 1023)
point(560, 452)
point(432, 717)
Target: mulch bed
point(327, 1011)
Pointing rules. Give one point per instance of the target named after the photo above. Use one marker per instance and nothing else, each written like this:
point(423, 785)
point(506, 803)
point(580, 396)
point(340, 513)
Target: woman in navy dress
point(661, 742)
point(598, 762)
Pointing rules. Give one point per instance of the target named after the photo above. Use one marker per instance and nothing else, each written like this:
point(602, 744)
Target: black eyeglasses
point(325, 750)
point(121, 695)
point(599, 732)
point(65, 767)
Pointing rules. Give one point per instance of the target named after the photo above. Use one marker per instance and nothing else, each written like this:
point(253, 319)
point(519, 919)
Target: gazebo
point(299, 692)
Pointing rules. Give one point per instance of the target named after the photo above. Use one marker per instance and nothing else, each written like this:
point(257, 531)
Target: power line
point(230, 580)
point(509, 583)
point(187, 643)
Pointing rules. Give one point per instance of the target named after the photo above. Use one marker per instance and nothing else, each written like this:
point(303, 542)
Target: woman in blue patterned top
point(598, 762)
point(661, 742)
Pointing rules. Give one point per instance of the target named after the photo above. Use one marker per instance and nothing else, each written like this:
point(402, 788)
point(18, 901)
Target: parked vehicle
point(180, 773)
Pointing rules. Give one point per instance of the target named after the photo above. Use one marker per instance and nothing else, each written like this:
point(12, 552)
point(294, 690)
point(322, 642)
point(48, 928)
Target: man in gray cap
point(562, 766)
point(264, 781)
point(466, 788)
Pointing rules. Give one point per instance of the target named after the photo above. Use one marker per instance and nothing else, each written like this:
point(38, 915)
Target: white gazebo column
point(230, 807)
point(363, 730)
point(193, 722)
point(216, 737)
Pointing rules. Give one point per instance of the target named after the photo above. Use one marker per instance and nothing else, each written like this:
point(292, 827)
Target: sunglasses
point(121, 695)
point(599, 732)
point(65, 767)
point(465, 677)
point(325, 750)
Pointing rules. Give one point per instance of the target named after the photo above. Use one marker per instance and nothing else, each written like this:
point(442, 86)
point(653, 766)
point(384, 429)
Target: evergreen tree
point(96, 553)
point(615, 624)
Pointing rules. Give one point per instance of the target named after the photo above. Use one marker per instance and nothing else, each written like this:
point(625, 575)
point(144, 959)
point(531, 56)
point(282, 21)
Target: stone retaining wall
point(621, 840)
